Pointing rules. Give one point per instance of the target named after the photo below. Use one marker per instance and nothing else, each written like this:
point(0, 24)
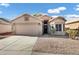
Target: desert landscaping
point(47, 30)
point(29, 35)
point(43, 45)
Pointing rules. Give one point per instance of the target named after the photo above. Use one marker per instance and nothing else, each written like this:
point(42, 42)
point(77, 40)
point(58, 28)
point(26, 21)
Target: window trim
point(58, 27)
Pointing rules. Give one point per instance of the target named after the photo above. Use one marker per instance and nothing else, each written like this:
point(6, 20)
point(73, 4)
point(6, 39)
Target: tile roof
point(72, 20)
point(4, 19)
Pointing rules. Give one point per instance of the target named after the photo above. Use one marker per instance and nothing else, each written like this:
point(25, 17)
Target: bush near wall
point(78, 32)
point(72, 33)
point(53, 29)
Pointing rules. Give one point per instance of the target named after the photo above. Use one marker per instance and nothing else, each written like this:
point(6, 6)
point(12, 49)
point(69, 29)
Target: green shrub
point(53, 29)
point(78, 33)
point(72, 33)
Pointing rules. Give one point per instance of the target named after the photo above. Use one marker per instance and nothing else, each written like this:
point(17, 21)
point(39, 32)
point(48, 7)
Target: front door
point(45, 27)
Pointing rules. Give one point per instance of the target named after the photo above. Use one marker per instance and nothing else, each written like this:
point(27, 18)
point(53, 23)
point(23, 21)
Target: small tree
point(52, 29)
point(72, 33)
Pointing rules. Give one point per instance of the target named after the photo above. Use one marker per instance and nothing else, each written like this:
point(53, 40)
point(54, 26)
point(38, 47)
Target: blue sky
point(67, 10)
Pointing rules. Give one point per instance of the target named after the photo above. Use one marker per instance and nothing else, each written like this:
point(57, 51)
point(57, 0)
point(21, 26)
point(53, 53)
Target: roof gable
point(59, 17)
point(43, 17)
point(3, 21)
point(25, 17)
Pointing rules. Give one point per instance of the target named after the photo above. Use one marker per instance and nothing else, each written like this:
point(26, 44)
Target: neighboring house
point(72, 24)
point(26, 24)
point(4, 26)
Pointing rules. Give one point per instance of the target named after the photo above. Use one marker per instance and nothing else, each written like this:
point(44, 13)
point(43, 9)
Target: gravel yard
point(54, 45)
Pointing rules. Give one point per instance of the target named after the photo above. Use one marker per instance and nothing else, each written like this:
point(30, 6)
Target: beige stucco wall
point(72, 25)
point(22, 19)
point(5, 28)
point(32, 26)
point(58, 21)
point(3, 22)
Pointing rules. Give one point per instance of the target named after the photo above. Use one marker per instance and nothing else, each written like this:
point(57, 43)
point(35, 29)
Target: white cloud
point(77, 8)
point(62, 8)
point(57, 10)
point(77, 5)
point(53, 11)
point(72, 16)
point(54, 16)
point(5, 4)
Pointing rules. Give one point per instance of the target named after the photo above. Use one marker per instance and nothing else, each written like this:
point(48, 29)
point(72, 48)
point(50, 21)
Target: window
point(58, 27)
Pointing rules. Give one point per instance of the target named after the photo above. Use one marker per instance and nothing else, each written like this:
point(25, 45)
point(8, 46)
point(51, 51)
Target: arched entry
point(45, 27)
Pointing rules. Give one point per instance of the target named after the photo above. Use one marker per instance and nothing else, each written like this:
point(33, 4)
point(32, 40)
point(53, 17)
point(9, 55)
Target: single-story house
point(72, 24)
point(4, 26)
point(26, 24)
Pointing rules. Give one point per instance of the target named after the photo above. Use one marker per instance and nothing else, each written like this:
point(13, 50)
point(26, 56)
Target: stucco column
point(54, 26)
point(62, 28)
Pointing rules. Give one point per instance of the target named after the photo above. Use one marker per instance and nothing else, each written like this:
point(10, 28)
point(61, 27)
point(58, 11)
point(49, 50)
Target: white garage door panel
point(27, 29)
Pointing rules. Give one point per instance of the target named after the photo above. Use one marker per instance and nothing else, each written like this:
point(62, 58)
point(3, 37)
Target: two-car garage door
point(28, 29)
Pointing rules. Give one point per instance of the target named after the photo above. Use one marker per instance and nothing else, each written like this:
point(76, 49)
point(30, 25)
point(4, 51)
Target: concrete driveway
point(17, 45)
